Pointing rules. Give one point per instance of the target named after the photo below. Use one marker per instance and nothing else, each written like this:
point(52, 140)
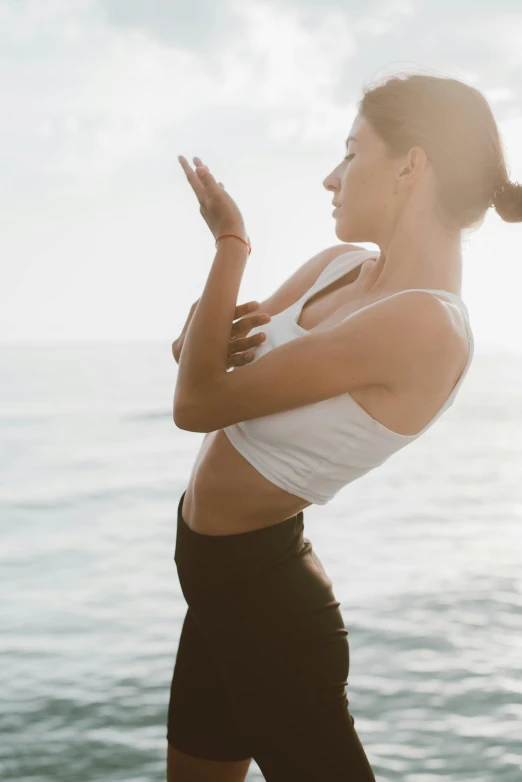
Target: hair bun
point(498, 193)
point(507, 200)
point(508, 187)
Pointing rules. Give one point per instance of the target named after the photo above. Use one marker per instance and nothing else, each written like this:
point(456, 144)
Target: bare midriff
point(226, 495)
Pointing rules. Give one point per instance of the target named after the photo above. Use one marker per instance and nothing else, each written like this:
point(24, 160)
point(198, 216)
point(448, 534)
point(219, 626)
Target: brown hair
point(454, 124)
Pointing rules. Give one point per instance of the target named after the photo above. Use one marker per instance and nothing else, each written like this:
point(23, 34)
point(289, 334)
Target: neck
point(419, 253)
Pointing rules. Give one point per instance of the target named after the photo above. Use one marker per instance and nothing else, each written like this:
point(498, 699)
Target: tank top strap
point(339, 266)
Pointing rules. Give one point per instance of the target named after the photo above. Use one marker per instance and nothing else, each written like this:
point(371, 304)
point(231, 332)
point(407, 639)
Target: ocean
point(425, 556)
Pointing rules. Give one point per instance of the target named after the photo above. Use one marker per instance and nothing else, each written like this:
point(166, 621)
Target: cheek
point(355, 191)
point(371, 189)
point(356, 175)
point(350, 184)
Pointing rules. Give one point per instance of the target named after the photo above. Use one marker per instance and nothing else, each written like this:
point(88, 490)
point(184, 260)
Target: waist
point(228, 495)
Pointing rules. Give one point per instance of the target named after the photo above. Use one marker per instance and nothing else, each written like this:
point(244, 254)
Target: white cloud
point(96, 216)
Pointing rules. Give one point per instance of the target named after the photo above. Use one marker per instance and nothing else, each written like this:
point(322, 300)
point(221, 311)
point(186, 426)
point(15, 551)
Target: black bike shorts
point(263, 657)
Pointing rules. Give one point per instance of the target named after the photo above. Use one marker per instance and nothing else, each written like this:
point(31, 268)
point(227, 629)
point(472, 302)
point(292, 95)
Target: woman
point(363, 353)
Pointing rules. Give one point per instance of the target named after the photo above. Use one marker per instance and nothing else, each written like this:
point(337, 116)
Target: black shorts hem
point(205, 755)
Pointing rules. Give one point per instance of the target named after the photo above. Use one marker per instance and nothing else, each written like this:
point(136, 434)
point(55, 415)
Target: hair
point(454, 124)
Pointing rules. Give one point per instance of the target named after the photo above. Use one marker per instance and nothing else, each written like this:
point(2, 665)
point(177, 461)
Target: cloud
point(99, 98)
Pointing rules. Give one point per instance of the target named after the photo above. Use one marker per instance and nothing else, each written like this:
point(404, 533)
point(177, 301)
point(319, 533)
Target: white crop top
point(314, 450)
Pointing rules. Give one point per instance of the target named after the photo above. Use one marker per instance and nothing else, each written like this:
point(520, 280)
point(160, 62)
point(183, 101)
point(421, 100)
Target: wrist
point(236, 237)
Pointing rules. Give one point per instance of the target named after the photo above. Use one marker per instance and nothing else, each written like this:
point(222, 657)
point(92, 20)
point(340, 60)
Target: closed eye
point(349, 156)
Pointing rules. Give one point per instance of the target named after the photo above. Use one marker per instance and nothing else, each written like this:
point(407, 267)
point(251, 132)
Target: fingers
point(244, 325)
point(202, 181)
point(199, 162)
point(240, 359)
point(194, 180)
point(244, 309)
point(244, 343)
point(203, 173)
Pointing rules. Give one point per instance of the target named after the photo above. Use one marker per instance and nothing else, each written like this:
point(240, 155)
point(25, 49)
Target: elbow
point(187, 421)
point(180, 412)
point(181, 419)
point(178, 420)
point(192, 412)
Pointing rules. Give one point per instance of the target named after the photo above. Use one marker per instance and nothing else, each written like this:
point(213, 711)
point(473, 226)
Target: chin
point(346, 231)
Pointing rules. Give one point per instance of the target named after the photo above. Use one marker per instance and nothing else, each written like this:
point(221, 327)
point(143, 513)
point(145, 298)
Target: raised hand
point(217, 207)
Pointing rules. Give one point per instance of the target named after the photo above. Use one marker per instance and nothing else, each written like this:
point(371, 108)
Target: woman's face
point(363, 184)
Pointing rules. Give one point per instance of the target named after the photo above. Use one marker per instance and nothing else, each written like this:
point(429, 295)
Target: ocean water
point(425, 556)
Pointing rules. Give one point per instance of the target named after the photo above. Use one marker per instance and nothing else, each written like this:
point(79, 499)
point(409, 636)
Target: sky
point(101, 238)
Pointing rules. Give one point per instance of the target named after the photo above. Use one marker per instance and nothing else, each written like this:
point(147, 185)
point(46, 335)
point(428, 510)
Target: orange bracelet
point(237, 237)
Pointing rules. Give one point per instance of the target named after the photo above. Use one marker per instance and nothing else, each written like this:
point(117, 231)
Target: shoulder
point(424, 339)
point(422, 315)
point(396, 342)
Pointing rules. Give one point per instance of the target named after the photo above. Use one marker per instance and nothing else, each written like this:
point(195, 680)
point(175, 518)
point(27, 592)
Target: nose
point(332, 183)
